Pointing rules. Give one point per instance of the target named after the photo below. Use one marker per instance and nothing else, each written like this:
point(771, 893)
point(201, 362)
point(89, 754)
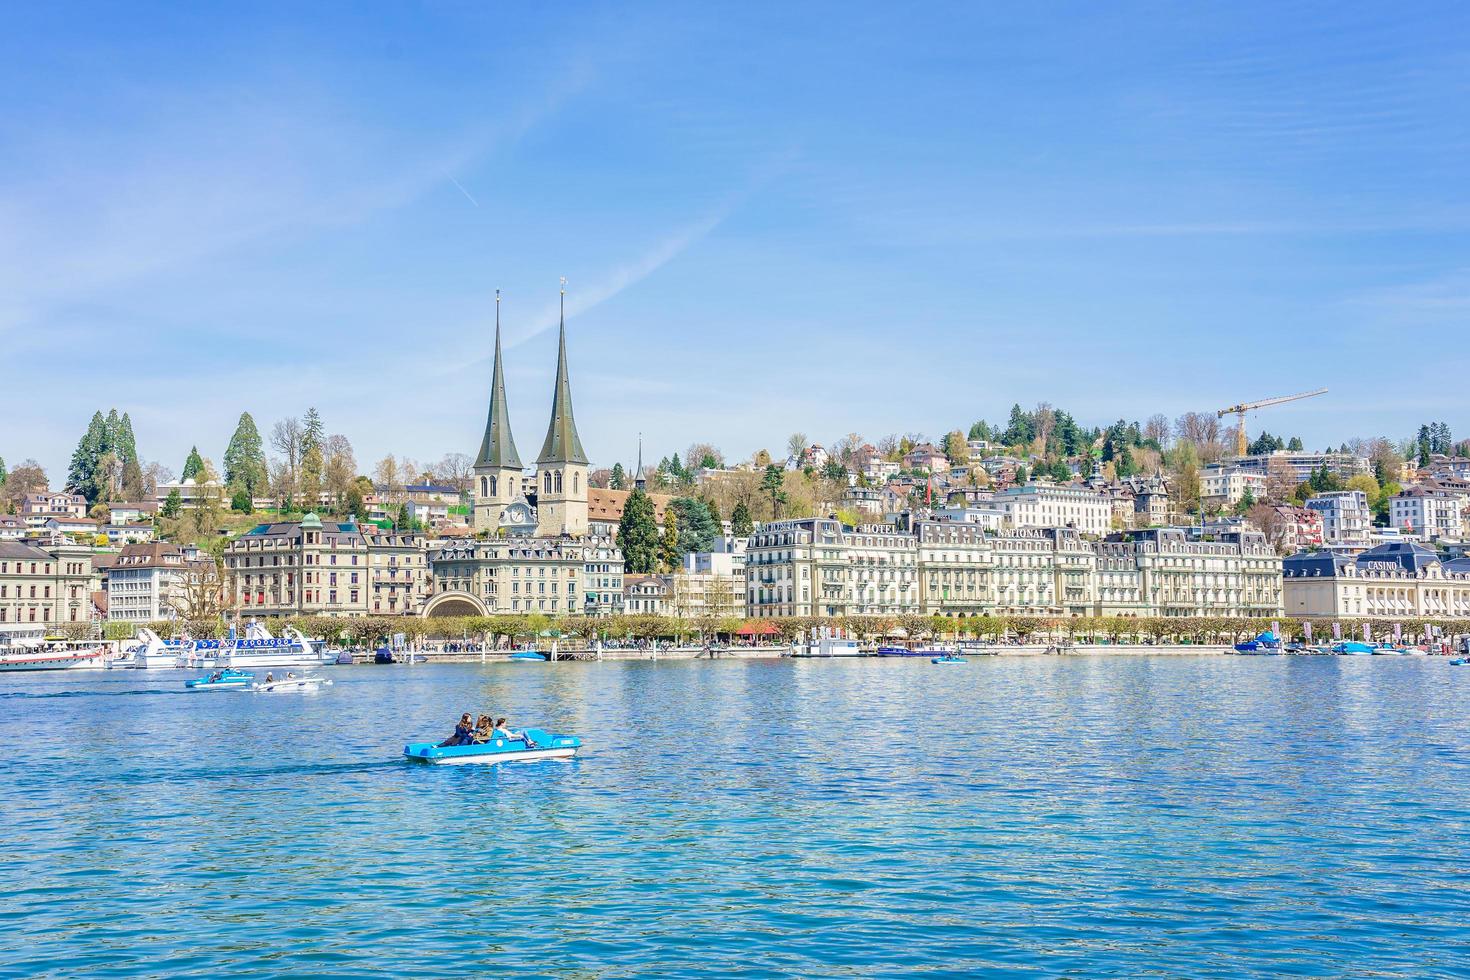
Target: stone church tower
point(498, 466)
point(561, 469)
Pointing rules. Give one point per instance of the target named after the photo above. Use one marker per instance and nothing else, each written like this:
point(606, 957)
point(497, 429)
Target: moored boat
point(259, 649)
point(893, 651)
point(527, 656)
point(54, 654)
point(221, 680)
point(949, 658)
point(1353, 648)
point(534, 746)
point(1266, 644)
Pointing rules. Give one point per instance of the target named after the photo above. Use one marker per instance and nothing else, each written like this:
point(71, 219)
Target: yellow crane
point(1241, 409)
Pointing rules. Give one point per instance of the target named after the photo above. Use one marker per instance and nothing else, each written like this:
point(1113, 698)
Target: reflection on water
point(1174, 815)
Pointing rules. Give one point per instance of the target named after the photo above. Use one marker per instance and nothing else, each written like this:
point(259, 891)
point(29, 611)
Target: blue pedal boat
point(527, 656)
point(228, 679)
point(536, 746)
point(949, 658)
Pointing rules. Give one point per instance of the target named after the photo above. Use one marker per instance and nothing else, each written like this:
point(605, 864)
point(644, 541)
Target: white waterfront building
point(1047, 505)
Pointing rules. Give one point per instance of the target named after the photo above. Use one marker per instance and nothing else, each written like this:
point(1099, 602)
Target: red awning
point(757, 629)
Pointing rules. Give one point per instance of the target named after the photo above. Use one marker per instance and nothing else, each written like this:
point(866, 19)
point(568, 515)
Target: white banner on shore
point(1307, 629)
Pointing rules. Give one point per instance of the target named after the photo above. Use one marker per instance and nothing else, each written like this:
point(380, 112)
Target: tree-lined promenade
point(503, 631)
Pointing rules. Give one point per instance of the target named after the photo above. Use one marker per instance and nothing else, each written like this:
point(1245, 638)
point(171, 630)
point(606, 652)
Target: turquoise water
point(1075, 816)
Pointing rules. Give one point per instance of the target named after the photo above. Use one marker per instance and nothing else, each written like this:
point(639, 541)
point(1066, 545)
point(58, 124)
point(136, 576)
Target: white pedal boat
point(291, 685)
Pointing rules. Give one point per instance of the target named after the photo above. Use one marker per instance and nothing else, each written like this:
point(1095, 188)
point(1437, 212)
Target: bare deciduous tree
point(845, 447)
point(455, 470)
point(796, 445)
point(1157, 430)
point(1201, 430)
point(287, 439)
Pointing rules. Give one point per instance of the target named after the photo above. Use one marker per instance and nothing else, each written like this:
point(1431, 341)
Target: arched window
point(546, 482)
point(558, 481)
point(483, 491)
point(494, 485)
point(576, 483)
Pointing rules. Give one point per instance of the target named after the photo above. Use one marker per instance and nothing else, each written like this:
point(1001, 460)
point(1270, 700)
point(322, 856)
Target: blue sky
point(825, 218)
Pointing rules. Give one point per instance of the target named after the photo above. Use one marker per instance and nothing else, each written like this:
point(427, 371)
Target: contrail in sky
point(464, 192)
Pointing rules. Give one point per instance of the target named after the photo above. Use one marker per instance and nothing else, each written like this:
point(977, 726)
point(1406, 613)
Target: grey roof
point(498, 448)
point(1412, 556)
point(1307, 564)
point(1458, 566)
point(14, 549)
point(562, 444)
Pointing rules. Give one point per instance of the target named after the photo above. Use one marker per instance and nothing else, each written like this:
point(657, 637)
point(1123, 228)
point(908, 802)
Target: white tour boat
point(258, 649)
point(53, 654)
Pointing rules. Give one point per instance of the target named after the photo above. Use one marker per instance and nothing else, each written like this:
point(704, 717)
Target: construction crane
point(1241, 409)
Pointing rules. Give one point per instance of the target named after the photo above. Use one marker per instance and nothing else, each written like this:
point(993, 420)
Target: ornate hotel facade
point(819, 567)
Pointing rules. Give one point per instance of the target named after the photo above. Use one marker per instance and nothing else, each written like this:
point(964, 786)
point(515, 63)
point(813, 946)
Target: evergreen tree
point(172, 504)
point(981, 430)
point(354, 505)
point(3, 476)
point(1020, 475)
point(1021, 430)
point(709, 505)
point(241, 502)
point(618, 478)
point(773, 483)
point(1295, 445)
point(741, 526)
point(1124, 465)
point(127, 445)
point(244, 459)
point(313, 458)
point(312, 430)
point(668, 545)
point(193, 466)
point(112, 434)
point(638, 534)
point(698, 530)
point(81, 475)
point(404, 520)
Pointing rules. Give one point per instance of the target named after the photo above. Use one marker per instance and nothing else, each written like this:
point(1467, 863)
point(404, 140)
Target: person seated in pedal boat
point(270, 678)
point(502, 732)
point(462, 732)
point(484, 730)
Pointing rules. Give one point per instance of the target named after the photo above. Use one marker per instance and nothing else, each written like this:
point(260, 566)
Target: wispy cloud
point(234, 174)
point(581, 298)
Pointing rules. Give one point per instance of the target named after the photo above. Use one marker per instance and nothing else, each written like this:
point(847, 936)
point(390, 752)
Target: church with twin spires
point(533, 549)
point(501, 508)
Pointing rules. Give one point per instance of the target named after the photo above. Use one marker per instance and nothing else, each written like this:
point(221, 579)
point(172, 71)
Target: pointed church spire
point(498, 447)
point(562, 444)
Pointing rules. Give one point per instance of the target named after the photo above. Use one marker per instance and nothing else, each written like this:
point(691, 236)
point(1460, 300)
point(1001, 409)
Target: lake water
point(1089, 816)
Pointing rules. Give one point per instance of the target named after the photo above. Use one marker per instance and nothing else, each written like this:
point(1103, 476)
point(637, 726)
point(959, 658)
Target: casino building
point(532, 551)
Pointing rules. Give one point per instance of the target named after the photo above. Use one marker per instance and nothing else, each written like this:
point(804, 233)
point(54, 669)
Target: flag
point(1307, 628)
point(1336, 630)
